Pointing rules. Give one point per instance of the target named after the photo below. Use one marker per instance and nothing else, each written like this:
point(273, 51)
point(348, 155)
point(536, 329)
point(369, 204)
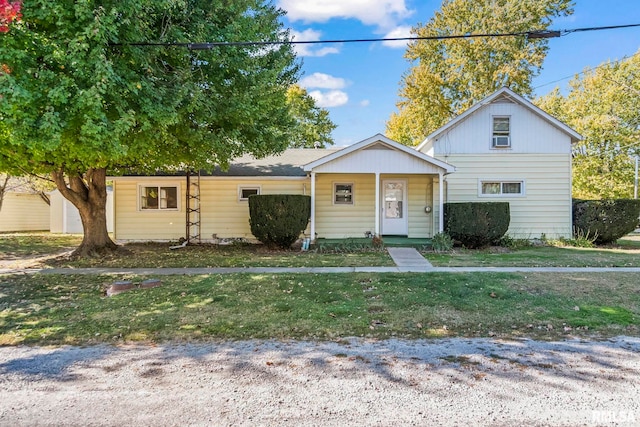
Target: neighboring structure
point(22, 211)
point(507, 149)
point(65, 218)
point(503, 148)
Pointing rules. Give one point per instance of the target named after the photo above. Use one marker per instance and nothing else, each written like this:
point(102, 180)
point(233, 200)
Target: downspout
point(441, 202)
point(313, 206)
point(377, 214)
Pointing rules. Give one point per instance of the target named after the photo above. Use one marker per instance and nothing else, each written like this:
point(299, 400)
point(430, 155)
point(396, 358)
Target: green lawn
point(52, 309)
point(626, 253)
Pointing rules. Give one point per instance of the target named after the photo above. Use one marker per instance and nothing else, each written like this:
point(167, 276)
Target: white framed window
point(499, 188)
point(343, 193)
point(244, 191)
point(158, 197)
point(501, 132)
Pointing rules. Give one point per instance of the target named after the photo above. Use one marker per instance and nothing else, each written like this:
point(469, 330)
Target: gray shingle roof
point(289, 163)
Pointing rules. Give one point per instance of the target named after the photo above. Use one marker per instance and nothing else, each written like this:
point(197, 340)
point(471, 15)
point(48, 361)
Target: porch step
point(408, 257)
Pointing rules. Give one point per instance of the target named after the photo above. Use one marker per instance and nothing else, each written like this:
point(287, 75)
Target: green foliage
point(81, 97)
point(441, 242)
point(507, 241)
point(451, 75)
point(279, 219)
point(476, 224)
point(603, 105)
point(605, 220)
point(313, 126)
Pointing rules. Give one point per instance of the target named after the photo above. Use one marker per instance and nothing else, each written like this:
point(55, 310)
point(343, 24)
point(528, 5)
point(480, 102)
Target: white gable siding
point(530, 134)
point(382, 160)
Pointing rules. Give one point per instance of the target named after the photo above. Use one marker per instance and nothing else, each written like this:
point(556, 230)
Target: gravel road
point(450, 382)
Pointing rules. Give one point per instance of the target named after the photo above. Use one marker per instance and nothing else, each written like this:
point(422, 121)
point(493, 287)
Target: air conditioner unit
point(501, 141)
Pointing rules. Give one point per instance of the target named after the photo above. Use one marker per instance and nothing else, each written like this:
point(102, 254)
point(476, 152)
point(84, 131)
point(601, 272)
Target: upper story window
point(501, 136)
point(343, 193)
point(155, 197)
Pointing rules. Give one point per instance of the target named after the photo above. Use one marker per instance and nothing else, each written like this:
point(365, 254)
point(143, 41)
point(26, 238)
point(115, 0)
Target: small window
point(343, 194)
point(159, 198)
point(502, 188)
point(501, 132)
point(245, 192)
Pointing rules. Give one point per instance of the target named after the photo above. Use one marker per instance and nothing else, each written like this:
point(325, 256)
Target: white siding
point(546, 205)
point(530, 134)
point(24, 212)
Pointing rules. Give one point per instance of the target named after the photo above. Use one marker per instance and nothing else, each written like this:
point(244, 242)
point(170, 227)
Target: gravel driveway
point(450, 382)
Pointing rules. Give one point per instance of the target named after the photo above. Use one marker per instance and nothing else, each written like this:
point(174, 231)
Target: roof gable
point(378, 154)
point(503, 95)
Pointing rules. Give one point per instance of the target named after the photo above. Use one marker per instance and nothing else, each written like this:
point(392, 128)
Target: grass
point(626, 253)
point(53, 309)
point(14, 245)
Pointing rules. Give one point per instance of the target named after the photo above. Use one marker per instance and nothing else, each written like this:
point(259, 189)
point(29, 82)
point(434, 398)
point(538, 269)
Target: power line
point(587, 70)
point(534, 34)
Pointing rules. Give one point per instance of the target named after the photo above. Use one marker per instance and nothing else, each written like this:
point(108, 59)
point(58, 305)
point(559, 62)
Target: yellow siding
point(24, 212)
point(226, 216)
point(546, 206)
point(342, 221)
point(222, 213)
point(134, 224)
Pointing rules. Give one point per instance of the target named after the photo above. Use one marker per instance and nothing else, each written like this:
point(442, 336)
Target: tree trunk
point(88, 193)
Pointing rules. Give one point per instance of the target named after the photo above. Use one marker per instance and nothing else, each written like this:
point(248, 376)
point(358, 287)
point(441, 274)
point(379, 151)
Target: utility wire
point(587, 70)
point(535, 34)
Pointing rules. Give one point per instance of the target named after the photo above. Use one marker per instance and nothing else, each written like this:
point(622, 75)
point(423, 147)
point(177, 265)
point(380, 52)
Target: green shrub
point(475, 225)
point(605, 220)
point(279, 219)
point(441, 242)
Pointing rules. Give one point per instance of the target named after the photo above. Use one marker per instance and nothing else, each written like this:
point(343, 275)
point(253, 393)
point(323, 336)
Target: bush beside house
point(474, 224)
point(605, 220)
point(279, 219)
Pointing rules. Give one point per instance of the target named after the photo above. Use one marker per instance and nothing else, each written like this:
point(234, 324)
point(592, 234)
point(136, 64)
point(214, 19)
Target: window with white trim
point(501, 132)
point(158, 197)
point(502, 188)
point(245, 192)
point(343, 193)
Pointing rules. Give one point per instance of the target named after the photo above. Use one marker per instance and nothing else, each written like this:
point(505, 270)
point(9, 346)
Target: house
point(503, 148)
point(65, 218)
point(24, 211)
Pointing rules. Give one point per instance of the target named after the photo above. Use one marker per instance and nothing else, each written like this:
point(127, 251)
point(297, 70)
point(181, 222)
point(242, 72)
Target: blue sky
point(358, 82)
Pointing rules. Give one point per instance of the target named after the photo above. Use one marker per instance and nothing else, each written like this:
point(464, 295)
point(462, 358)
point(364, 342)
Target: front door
point(394, 207)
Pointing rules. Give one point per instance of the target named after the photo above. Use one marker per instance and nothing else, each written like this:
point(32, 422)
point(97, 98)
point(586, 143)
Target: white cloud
point(332, 98)
point(322, 81)
point(397, 33)
point(311, 49)
point(365, 103)
point(381, 13)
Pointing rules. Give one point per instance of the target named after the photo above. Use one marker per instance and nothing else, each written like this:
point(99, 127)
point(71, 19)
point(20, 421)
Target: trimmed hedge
point(279, 219)
point(475, 225)
point(605, 220)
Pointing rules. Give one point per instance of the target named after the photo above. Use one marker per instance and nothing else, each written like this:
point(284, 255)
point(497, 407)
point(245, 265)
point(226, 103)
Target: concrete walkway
point(407, 260)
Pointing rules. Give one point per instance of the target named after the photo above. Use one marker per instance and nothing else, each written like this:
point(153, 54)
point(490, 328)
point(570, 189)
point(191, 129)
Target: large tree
point(602, 104)
point(313, 125)
point(449, 75)
point(97, 87)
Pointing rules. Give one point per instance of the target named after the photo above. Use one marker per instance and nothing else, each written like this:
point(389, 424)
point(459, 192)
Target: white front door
point(394, 207)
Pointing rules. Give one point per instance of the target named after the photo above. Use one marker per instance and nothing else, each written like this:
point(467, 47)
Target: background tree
point(25, 184)
point(448, 76)
point(602, 104)
point(82, 98)
point(313, 125)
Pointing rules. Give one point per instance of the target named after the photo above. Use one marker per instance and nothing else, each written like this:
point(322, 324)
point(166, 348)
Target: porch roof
point(379, 154)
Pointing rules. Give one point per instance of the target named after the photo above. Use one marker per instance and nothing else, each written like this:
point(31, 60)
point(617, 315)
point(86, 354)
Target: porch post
point(441, 201)
point(376, 227)
point(313, 206)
